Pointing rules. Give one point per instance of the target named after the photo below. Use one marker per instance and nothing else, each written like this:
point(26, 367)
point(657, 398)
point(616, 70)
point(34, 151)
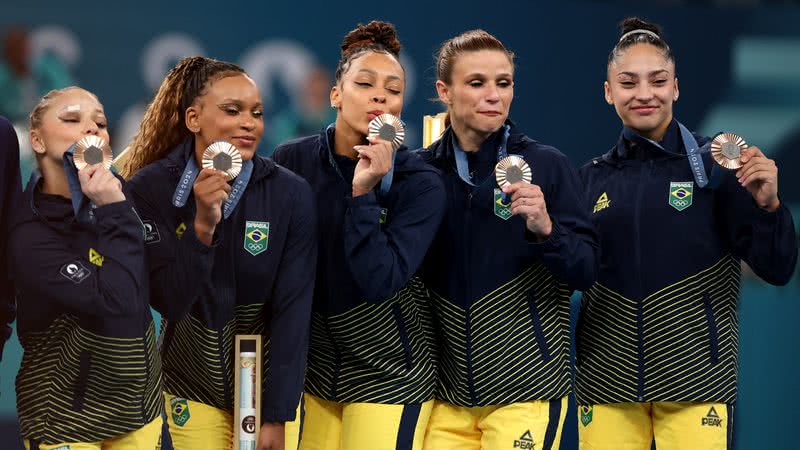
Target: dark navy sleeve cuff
point(549, 244)
point(768, 220)
point(113, 209)
point(364, 208)
point(368, 199)
point(272, 415)
point(195, 243)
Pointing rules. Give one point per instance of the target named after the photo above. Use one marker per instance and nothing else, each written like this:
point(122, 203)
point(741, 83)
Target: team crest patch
point(586, 414)
point(96, 258)
point(179, 409)
point(680, 194)
point(382, 218)
point(256, 237)
point(525, 441)
point(501, 210)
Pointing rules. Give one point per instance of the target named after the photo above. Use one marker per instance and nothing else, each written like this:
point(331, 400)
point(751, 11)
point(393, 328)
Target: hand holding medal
point(90, 151)
point(224, 157)
point(514, 177)
point(221, 162)
point(386, 135)
point(92, 157)
point(757, 173)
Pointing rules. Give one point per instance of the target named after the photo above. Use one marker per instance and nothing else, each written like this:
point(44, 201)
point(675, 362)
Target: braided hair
point(163, 126)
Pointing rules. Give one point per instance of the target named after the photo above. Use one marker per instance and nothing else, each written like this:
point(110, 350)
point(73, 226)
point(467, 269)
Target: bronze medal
point(224, 157)
point(726, 149)
point(512, 169)
point(92, 150)
point(389, 128)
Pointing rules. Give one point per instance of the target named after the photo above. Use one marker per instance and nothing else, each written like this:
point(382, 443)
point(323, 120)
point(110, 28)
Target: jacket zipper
point(644, 174)
point(467, 313)
point(228, 304)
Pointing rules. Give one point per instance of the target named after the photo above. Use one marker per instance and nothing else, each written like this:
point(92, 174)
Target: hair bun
point(634, 23)
point(374, 34)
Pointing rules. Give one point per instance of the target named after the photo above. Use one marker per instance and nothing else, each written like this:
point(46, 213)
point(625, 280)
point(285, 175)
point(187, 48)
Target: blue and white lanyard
point(694, 153)
point(80, 204)
point(190, 173)
point(462, 165)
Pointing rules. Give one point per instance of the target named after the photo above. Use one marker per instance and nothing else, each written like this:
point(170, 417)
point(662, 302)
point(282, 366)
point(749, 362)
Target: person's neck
point(54, 179)
point(469, 139)
point(346, 139)
point(657, 134)
point(198, 152)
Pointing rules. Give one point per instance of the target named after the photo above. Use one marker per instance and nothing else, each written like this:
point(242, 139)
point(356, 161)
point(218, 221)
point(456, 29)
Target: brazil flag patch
point(256, 237)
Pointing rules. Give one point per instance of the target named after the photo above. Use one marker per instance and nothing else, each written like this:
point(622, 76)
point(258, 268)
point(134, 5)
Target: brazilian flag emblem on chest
point(256, 237)
point(681, 194)
point(501, 210)
point(179, 408)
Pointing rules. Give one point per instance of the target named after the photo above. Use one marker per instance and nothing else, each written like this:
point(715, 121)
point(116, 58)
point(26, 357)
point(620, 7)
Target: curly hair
point(375, 36)
point(163, 126)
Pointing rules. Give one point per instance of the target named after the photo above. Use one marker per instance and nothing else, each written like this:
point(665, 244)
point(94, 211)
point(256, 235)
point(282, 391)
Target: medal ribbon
point(462, 164)
point(190, 174)
point(80, 204)
point(694, 153)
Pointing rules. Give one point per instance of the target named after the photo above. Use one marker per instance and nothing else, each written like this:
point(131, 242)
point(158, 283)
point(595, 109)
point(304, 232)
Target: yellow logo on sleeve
point(602, 203)
point(180, 230)
point(95, 258)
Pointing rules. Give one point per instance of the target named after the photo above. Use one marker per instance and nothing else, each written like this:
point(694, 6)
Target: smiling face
point(66, 118)
point(480, 91)
point(231, 111)
point(372, 85)
point(642, 87)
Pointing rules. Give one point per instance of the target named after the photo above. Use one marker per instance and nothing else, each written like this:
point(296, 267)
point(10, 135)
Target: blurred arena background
point(738, 62)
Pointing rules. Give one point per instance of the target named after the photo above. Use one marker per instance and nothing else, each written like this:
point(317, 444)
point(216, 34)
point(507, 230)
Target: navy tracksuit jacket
point(661, 323)
point(371, 336)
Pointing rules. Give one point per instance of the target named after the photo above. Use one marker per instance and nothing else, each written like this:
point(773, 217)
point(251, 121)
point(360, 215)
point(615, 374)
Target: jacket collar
point(624, 149)
point(630, 144)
